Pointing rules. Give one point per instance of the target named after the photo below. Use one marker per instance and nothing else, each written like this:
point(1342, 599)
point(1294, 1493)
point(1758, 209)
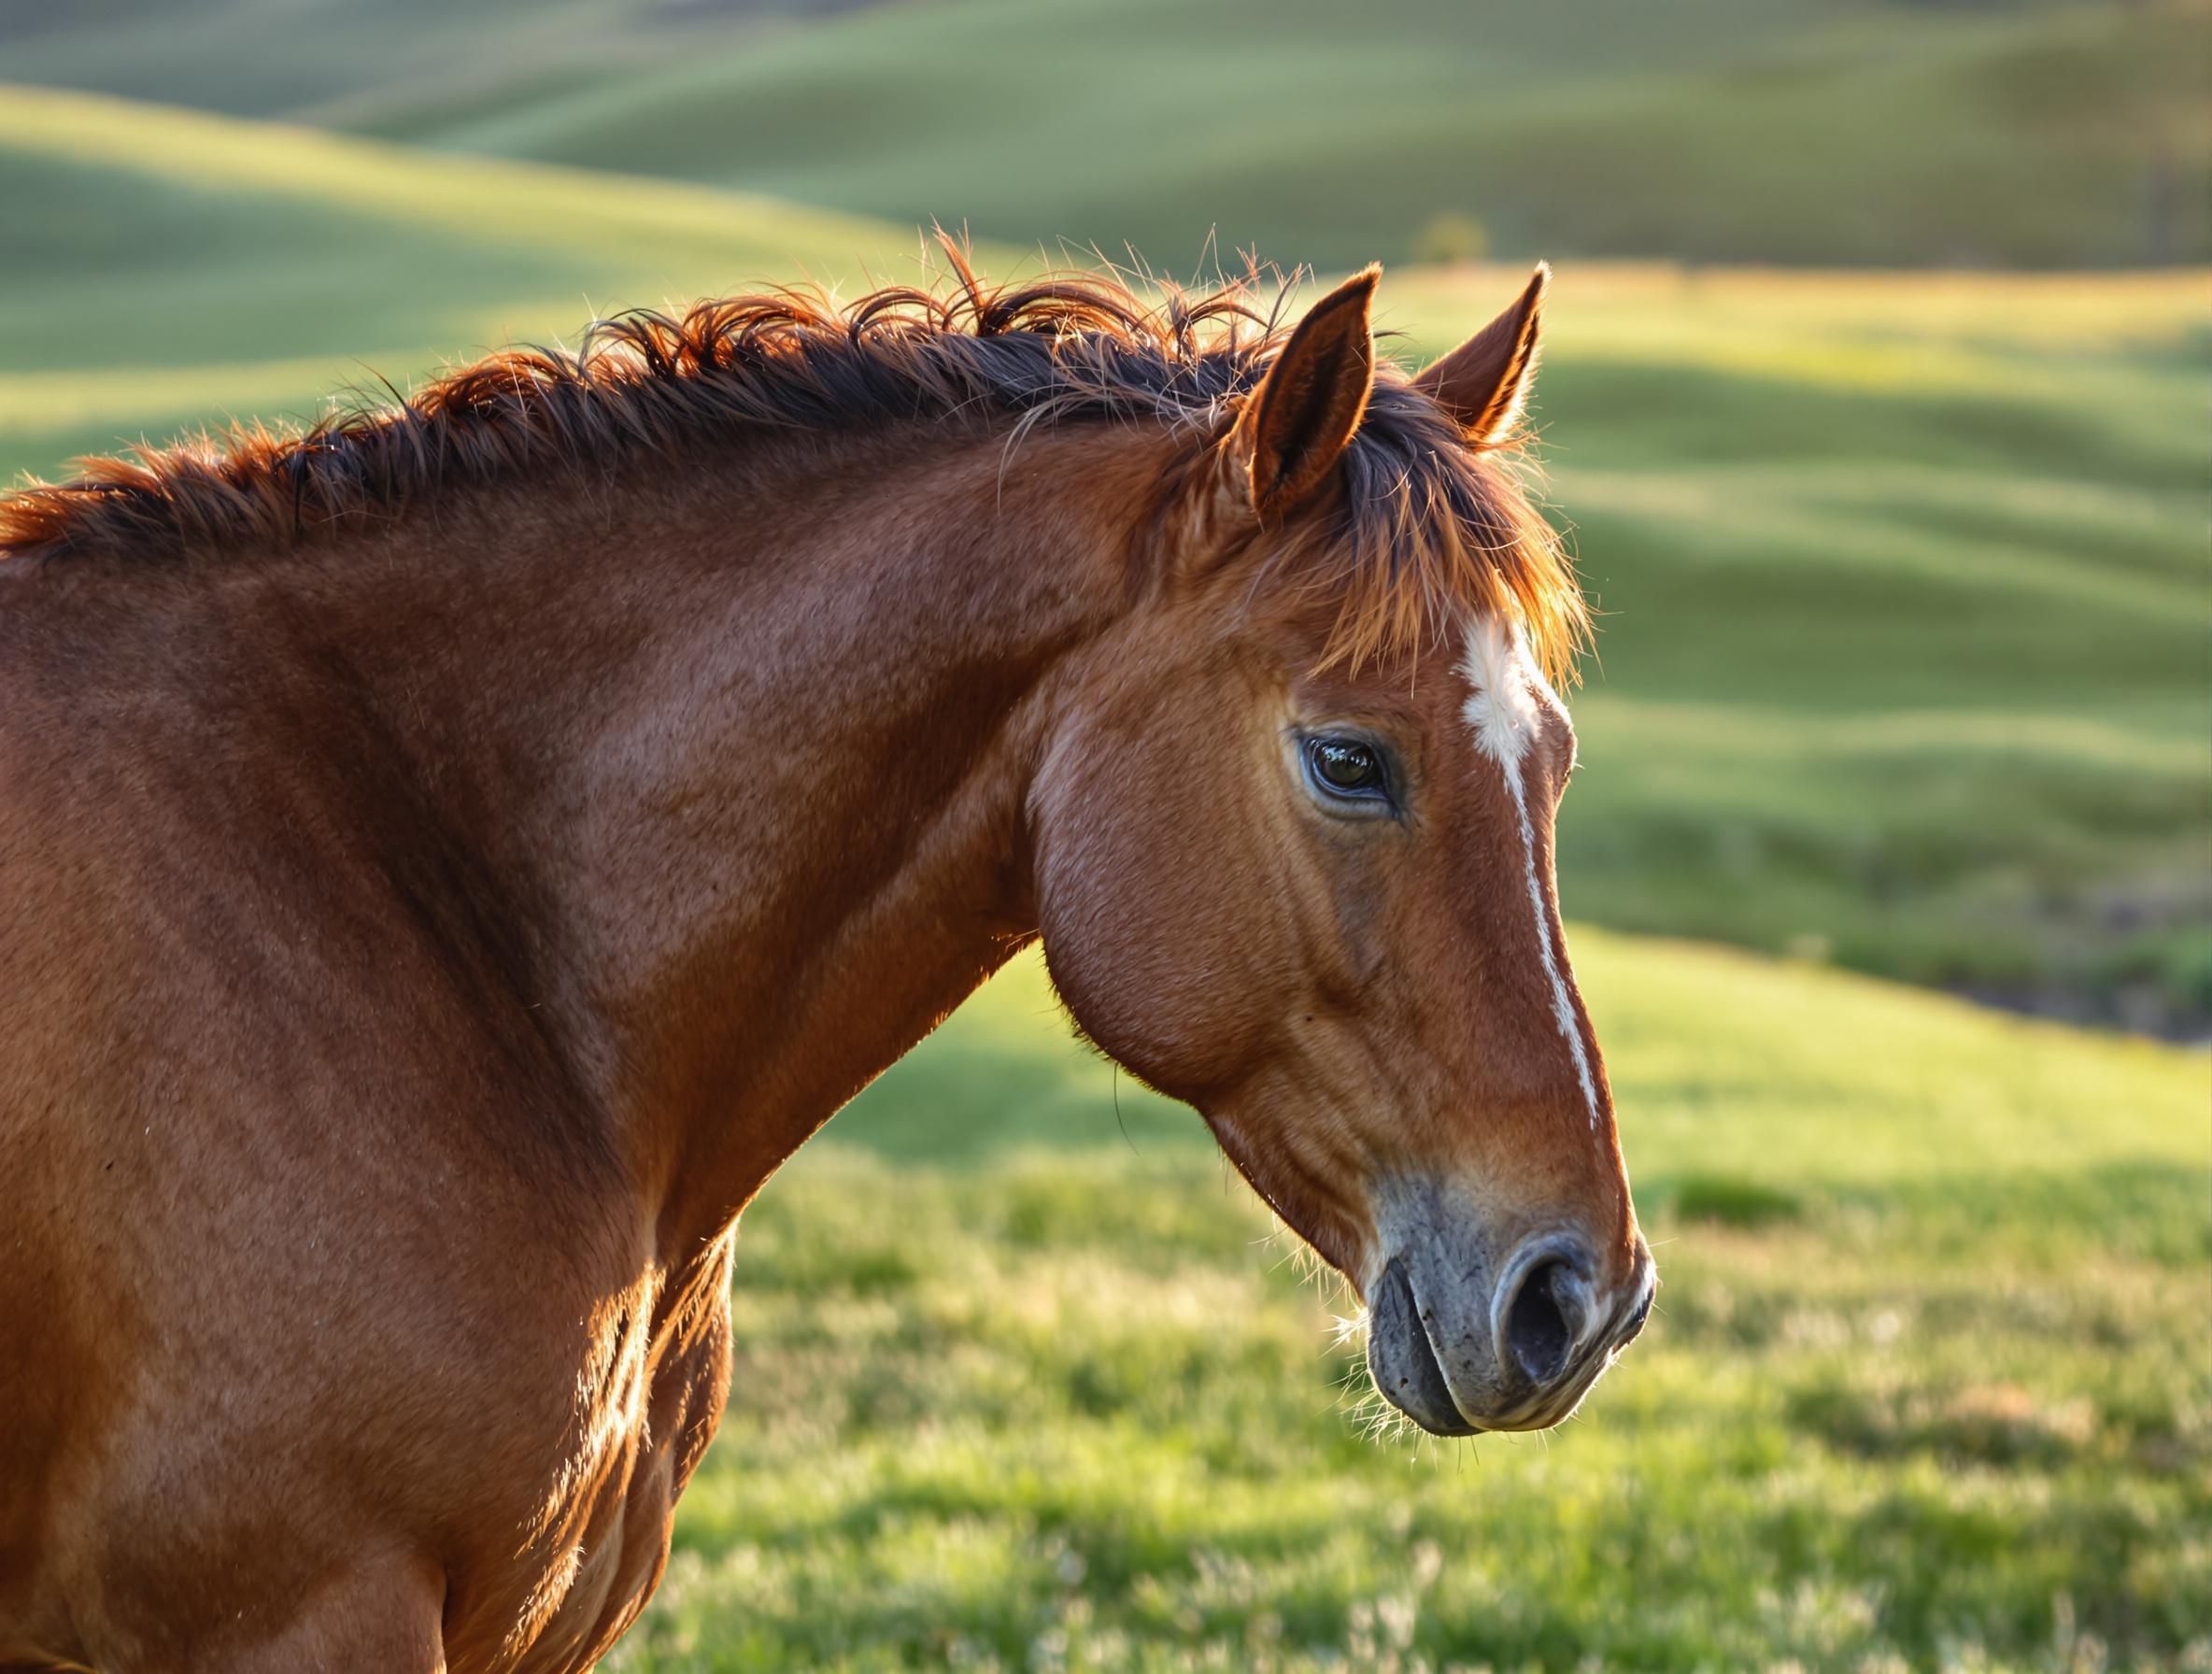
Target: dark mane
point(1424, 532)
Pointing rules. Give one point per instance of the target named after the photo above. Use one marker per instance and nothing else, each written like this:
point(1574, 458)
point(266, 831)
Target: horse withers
point(450, 857)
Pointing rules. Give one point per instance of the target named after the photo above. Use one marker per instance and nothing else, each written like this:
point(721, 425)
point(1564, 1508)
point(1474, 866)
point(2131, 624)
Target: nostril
point(1536, 1328)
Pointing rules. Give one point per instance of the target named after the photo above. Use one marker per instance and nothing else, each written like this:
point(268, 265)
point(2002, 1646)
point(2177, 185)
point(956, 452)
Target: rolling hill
point(167, 267)
point(2033, 133)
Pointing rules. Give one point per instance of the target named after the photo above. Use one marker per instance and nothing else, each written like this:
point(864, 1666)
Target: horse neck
point(748, 751)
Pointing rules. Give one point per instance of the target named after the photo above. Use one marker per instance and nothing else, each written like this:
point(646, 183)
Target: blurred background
point(1875, 407)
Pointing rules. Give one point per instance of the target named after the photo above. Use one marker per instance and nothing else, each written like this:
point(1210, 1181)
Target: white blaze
point(1509, 702)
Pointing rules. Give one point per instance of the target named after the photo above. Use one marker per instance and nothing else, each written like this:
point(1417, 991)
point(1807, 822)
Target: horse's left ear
point(1485, 382)
point(1308, 406)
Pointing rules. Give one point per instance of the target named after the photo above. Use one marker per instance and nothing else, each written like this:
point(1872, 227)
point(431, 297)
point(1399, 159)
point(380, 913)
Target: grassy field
point(1833, 131)
point(1928, 1386)
point(1901, 667)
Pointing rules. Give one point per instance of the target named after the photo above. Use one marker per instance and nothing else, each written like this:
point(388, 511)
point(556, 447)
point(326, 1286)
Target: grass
point(1928, 1386)
point(1825, 131)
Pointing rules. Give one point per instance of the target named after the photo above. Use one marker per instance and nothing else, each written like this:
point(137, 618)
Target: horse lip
point(1421, 1393)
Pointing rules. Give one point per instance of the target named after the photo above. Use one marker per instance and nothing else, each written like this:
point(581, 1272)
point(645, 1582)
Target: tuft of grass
point(1727, 1201)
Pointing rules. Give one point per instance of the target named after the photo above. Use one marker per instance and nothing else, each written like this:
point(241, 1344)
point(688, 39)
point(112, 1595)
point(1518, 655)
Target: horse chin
point(1403, 1362)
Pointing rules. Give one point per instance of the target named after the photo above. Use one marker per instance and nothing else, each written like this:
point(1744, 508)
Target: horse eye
point(1345, 766)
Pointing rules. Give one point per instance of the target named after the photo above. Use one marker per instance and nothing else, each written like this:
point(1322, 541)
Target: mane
point(1423, 531)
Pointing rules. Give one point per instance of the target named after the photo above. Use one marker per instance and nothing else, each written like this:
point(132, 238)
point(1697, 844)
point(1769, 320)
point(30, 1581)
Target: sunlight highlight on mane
point(1420, 532)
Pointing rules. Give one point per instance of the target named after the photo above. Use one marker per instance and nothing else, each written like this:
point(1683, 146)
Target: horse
point(453, 854)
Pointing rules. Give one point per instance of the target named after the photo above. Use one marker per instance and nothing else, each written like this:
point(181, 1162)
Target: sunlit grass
point(1928, 1383)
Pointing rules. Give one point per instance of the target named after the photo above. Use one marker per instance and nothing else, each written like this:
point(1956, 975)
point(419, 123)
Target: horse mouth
point(1403, 1362)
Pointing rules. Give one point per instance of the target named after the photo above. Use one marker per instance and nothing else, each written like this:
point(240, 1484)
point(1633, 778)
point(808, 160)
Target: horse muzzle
point(1461, 1344)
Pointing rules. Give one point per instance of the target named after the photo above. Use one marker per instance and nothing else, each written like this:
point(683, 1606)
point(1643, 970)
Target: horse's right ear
point(1309, 403)
point(1485, 382)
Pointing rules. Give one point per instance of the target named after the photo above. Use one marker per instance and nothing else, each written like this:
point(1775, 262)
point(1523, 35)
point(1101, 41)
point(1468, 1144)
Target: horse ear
point(1308, 406)
point(1485, 382)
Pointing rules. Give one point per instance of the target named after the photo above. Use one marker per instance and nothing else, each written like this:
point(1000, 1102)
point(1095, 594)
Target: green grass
point(1821, 131)
point(1928, 1386)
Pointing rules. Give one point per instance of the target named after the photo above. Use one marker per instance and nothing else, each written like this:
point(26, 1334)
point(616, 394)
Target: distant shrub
point(1450, 236)
point(1734, 1201)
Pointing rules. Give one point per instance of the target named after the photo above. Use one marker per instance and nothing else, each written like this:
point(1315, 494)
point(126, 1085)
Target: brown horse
point(450, 859)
